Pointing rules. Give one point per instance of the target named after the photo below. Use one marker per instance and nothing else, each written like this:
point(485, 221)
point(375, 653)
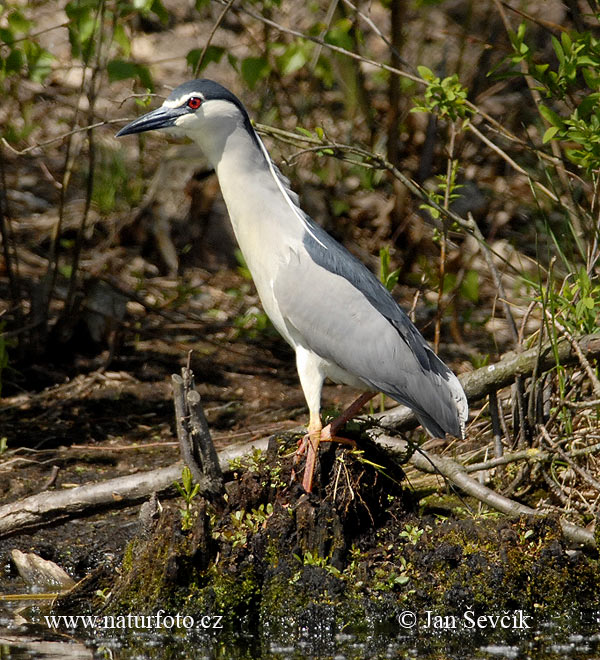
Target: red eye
point(194, 103)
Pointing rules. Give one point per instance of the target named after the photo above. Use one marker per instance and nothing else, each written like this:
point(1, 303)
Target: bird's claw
point(302, 445)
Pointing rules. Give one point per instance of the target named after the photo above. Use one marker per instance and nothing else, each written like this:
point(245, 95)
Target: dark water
point(576, 635)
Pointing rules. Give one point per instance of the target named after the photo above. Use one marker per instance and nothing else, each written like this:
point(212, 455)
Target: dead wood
point(195, 442)
point(485, 380)
point(50, 507)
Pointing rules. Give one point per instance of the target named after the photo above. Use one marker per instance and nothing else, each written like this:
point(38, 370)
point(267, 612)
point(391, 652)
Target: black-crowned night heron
point(341, 321)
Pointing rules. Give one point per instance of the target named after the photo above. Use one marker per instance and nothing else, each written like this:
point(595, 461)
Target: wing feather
point(335, 316)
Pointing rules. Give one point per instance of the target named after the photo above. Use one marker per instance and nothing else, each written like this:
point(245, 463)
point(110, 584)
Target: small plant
point(314, 559)
point(446, 192)
point(243, 525)
point(257, 462)
point(242, 268)
point(573, 78)
point(188, 490)
point(577, 303)
point(444, 97)
point(388, 277)
point(253, 323)
point(387, 578)
point(103, 594)
point(113, 182)
point(412, 533)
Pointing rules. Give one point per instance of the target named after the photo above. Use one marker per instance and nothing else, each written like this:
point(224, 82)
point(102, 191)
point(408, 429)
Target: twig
point(211, 35)
point(533, 455)
point(582, 359)
point(496, 428)
point(50, 507)
point(510, 161)
point(380, 34)
point(578, 405)
point(554, 145)
point(494, 124)
point(586, 476)
point(60, 137)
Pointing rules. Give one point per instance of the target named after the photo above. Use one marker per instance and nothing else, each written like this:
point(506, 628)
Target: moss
point(230, 595)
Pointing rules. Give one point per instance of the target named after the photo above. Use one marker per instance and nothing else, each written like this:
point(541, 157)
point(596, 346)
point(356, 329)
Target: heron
point(341, 321)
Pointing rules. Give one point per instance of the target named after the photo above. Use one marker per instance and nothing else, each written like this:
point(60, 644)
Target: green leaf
point(591, 80)
point(233, 61)
point(558, 50)
point(121, 70)
point(469, 287)
point(550, 116)
point(40, 66)
point(254, 69)
point(6, 36)
point(186, 477)
point(213, 54)
point(550, 133)
point(339, 35)
point(425, 73)
point(14, 62)
point(304, 131)
point(122, 40)
point(200, 4)
point(145, 77)
point(158, 8)
point(585, 60)
point(294, 58)
point(18, 22)
point(82, 26)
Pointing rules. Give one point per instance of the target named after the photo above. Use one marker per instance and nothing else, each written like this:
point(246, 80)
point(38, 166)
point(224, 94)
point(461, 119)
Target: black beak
point(160, 118)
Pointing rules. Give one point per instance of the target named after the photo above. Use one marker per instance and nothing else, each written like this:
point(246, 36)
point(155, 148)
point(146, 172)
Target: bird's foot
point(328, 434)
point(309, 445)
point(298, 454)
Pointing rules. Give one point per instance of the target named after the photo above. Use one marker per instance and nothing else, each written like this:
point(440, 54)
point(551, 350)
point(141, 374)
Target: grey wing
point(338, 321)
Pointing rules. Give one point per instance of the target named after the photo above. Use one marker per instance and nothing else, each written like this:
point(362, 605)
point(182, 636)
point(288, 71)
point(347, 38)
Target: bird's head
point(202, 110)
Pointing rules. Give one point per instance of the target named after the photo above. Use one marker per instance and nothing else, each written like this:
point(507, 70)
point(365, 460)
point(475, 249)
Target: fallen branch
point(455, 473)
point(531, 454)
point(50, 507)
point(481, 382)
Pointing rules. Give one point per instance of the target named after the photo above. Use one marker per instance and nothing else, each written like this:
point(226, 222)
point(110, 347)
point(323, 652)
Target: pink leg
point(329, 433)
point(313, 438)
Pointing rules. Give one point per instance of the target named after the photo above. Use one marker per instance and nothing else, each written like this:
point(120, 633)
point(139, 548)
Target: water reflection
point(574, 636)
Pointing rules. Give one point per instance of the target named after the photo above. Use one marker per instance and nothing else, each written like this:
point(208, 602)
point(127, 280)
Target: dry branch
point(46, 508)
point(49, 507)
